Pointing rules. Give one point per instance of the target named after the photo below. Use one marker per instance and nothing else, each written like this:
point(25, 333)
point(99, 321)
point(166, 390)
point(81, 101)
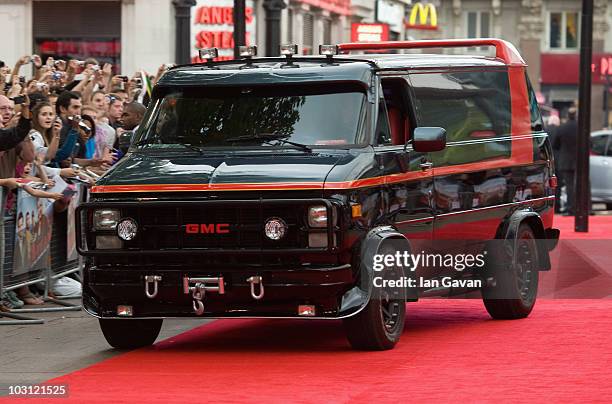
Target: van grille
point(166, 228)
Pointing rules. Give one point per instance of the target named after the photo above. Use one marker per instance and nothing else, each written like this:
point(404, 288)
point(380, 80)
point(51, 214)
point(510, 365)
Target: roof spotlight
point(208, 54)
point(247, 51)
point(289, 50)
point(328, 50)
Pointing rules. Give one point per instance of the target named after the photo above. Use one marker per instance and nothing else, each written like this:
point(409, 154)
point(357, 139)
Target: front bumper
point(332, 290)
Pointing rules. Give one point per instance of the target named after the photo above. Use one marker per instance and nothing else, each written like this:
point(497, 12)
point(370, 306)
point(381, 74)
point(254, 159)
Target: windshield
point(229, 117)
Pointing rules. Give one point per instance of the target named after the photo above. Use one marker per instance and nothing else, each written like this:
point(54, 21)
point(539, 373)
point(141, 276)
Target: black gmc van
point(279, 187)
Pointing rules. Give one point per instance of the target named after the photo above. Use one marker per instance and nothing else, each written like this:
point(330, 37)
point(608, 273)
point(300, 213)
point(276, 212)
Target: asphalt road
point(67, 341)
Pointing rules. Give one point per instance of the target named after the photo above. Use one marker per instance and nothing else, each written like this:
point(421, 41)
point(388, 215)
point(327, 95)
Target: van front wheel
point(380, 324)
point(130, 334)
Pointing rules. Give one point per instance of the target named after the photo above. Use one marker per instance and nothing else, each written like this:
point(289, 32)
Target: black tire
point(380, 324)
point(130, 334)
point(515, 291)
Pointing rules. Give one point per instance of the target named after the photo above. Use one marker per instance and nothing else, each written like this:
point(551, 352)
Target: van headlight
point(105, 219)
point(317, 216)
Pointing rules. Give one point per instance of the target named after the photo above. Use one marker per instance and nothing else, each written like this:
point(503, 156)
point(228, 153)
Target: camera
point(20, 99)
point(57, 76)
point(95, 68)
point(22, 80)
point(80, 63)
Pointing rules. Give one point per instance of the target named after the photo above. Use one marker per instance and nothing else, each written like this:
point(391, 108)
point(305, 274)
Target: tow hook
point(154, 279)
point(256, 280)
point(199, 289)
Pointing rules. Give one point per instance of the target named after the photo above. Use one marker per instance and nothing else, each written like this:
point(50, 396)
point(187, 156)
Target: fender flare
point(509, 231)
point(358, 297)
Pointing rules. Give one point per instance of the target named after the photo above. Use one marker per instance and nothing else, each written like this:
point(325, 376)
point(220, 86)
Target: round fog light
point(275, 228)
point(127, 229)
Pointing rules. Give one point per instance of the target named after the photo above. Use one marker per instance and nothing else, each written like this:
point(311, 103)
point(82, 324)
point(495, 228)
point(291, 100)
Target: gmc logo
point(207, 228)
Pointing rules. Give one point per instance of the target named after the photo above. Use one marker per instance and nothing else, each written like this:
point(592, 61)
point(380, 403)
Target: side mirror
point(429, 139)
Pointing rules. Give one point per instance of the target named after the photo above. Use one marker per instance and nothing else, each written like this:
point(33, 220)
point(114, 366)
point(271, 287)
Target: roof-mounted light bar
point(503, 50)
point(247, 52)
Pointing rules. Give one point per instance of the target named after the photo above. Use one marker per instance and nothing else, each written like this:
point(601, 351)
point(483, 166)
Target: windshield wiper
point(267, 137)
point(145, 142)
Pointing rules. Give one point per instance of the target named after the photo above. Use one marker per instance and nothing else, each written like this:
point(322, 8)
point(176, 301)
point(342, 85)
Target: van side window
point(537, 125)
point(470, 105)
point(383, 132)
point(397, 97)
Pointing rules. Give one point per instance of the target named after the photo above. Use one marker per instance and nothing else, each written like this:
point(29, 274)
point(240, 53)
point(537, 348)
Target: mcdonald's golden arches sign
point(423, 16)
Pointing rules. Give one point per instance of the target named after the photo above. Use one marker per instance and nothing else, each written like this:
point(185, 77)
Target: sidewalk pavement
point(68, 341)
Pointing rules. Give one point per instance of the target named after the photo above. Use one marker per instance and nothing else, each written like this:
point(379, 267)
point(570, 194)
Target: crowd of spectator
point(63, 118)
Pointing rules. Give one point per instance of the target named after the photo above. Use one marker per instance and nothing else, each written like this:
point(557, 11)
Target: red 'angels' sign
point(212, 26)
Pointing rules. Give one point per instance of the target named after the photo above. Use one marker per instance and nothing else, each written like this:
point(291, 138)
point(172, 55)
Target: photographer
point(11, 137)
point(7, 109)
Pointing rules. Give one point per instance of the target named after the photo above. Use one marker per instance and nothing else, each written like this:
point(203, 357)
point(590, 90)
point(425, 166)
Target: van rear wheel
point(516, 289)
point(130, 334)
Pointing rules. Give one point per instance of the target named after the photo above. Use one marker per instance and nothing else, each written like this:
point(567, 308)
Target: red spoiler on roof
point(503, 50)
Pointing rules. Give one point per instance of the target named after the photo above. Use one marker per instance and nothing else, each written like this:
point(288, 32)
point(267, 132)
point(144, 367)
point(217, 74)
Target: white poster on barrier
point(71, 252)
point(32, 233)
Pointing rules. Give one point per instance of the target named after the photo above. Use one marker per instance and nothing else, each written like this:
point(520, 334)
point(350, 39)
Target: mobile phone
point(124, 78)
point(68, 191)
point(20, 99)
point(22, 80)
point(80, 63)
point(2, 64)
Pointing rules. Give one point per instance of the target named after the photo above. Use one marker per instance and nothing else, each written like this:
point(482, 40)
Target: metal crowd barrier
point(59, 266)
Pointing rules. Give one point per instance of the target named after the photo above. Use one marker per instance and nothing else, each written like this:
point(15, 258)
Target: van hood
point(138, 172)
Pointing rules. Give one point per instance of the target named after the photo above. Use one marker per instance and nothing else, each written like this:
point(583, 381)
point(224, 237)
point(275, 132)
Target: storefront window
point(78, 30)
point(104, 50)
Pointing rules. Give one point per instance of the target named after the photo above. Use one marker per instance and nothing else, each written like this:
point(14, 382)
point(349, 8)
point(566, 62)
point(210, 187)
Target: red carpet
point(600, 227)
point(581, 262)
point(450, 350)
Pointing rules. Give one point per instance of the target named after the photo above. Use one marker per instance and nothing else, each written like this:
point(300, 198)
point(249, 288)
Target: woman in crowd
point(45, 132)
